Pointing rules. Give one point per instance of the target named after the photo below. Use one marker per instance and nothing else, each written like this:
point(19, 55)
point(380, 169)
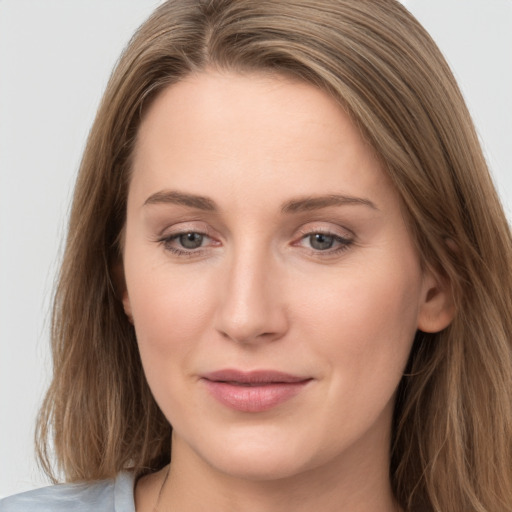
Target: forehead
point(250, 101)
point(248, 130)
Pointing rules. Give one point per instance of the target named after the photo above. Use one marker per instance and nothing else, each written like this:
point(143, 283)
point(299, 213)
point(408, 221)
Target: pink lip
point(254, 391)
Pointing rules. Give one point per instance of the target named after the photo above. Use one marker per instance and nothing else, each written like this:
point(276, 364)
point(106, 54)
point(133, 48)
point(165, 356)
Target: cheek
point(169, 311)
point(170, 308)
point(364, 320)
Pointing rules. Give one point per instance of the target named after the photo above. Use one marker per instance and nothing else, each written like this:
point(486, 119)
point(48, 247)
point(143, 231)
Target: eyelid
point(343, 241)
point(331, 229)
point(186, 227)
point(168, 238)
point(167, 243)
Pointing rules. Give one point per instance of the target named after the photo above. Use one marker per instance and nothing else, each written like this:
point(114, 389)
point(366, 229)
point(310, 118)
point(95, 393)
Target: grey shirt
point(104, 496)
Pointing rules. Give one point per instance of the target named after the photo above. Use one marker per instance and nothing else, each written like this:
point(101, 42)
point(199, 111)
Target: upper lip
point(253, 377)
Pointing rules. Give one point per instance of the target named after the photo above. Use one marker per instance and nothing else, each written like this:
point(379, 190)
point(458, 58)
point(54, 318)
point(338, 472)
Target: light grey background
point(55, 59)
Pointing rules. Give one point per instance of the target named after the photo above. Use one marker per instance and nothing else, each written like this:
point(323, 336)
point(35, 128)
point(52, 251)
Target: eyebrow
point(318, 202)
point(293, 206)
point(174, 197)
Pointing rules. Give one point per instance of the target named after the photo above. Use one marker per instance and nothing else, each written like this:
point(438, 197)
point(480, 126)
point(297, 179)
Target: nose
point(252, 308)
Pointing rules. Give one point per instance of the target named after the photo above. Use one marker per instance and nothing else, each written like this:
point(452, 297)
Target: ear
point(121, 289)
point(437, 308)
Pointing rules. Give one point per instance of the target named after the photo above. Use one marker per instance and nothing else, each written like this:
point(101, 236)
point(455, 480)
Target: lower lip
point(254, 398)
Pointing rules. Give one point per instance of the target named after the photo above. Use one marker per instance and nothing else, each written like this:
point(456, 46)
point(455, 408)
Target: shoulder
point(114, 495)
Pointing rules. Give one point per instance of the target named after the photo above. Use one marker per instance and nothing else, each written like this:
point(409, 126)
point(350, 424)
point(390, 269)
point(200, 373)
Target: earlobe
point(121, 289)
point(437, 308)
point(127, 306)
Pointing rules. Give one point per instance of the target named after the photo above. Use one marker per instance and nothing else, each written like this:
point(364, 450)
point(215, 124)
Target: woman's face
point(273, 285)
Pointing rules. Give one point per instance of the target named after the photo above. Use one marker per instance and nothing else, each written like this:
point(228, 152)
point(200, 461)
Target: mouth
point(254, 391)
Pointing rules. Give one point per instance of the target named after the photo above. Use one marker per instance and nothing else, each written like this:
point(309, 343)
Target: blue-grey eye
point(191, 240)
point(321, 241)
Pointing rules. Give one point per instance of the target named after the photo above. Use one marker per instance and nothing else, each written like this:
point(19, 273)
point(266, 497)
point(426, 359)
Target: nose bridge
point(251, 308)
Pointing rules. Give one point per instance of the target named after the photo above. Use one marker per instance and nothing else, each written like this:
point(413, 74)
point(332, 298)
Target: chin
point(259, 456)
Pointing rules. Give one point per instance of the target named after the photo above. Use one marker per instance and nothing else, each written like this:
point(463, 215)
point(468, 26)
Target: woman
point(284, 243)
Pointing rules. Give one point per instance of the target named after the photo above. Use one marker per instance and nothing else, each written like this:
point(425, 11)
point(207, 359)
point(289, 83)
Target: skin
point(260, 292)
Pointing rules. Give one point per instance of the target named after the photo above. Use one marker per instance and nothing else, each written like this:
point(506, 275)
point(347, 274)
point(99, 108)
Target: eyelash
point(343, 243)
point(166, 242)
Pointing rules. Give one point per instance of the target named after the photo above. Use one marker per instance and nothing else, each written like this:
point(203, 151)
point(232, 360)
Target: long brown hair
point(452, 433)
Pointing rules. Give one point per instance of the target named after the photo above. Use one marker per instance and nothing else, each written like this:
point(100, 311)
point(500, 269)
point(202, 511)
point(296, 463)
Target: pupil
point(191, 240)
point(321, 242)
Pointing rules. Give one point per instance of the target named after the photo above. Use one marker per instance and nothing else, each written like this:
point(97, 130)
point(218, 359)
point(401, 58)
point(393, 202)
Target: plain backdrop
point(55, 59)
